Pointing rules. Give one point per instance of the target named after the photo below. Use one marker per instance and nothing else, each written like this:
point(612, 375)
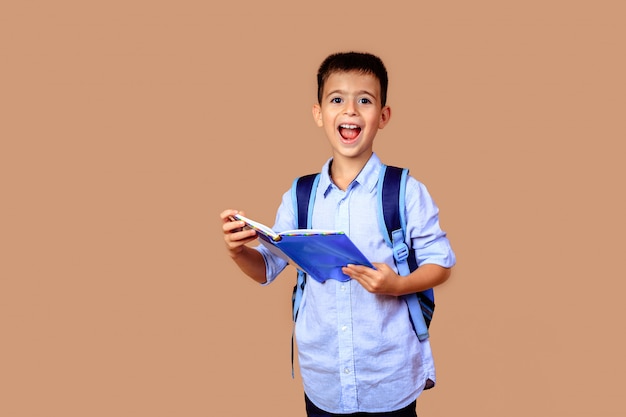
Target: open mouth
point(349, 132)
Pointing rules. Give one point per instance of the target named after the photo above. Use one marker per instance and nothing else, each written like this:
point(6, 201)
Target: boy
point(358, 352)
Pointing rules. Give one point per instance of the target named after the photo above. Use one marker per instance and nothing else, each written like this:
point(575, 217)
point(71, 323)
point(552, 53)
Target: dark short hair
point(353, 61)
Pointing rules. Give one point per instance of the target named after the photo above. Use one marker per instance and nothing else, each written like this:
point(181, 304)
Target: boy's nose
point(350, 109)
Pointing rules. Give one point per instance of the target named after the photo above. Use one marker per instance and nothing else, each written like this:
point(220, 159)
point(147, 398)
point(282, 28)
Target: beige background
point(126, 127)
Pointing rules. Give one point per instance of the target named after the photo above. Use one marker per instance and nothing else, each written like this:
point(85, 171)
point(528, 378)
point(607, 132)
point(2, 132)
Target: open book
point(319, 253)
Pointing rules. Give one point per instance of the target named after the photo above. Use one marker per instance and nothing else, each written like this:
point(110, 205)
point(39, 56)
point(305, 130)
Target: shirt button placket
point(344, 308)
point(346, 347)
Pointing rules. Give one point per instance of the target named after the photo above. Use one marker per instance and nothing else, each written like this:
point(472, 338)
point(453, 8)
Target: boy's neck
point(344, 170)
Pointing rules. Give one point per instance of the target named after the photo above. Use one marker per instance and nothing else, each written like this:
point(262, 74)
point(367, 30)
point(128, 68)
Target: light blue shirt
point(358, 351)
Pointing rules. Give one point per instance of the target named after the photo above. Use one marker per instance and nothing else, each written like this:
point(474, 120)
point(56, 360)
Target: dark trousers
point(313, 411)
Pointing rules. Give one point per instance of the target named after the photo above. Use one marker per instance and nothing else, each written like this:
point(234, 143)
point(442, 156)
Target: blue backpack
point(392, 222)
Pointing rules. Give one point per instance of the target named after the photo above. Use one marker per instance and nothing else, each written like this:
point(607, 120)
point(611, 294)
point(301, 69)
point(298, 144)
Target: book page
point(259, 227)
point(310, 232)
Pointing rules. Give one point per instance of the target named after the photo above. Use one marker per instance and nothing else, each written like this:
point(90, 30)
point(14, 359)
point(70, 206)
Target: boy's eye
point(364, 101)
point(335, 100)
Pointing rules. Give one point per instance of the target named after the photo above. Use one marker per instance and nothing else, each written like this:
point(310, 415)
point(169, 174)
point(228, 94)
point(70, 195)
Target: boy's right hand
point(235, 236)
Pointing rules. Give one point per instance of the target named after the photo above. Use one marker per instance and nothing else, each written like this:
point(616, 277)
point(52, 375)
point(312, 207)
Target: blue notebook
point(319, 253)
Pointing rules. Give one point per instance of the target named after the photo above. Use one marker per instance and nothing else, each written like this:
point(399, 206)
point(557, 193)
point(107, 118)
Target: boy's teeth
point(349, 131)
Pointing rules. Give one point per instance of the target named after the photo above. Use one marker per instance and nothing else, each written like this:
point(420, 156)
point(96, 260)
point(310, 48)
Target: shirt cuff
point(273, 264)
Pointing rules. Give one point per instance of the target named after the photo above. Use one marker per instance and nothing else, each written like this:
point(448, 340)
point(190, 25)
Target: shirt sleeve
point(285, 220)
point(430, 243)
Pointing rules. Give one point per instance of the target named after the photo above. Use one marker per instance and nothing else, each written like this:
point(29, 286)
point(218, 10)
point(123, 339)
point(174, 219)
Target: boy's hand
point(235, 236)
point(382, 280)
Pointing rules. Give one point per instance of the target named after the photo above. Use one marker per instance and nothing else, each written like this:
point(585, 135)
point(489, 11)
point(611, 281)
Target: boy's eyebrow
point(343, 92)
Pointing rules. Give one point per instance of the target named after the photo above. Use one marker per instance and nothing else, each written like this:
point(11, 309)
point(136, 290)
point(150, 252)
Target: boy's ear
point(385, 115)
point(317, 115)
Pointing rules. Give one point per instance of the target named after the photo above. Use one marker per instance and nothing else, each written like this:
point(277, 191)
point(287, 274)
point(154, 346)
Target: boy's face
point(351, 113)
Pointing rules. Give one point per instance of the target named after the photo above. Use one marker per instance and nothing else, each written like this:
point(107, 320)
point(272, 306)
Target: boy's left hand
point(382, 280)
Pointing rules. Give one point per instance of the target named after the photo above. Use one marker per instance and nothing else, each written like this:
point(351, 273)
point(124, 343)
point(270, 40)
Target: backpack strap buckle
point(400, 252)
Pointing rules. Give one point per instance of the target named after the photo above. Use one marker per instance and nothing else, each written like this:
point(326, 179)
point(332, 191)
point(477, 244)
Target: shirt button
point(344, 328)
point(343, 288)
point(346, 371)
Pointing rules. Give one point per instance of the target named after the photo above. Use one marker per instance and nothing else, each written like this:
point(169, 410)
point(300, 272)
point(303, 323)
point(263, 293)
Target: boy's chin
point(353, 151)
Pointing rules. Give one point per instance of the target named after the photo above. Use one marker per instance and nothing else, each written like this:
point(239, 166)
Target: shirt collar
point(368, 177)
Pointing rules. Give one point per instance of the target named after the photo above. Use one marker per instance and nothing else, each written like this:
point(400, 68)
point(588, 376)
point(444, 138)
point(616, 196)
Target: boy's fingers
point(359, 269)
point(240, 236)
point(232, 226)
point(226, 214)
point(234, 240)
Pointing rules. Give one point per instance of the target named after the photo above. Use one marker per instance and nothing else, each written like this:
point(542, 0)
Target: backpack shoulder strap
point(391, 215)
point(392, 221)
point(303, 198)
